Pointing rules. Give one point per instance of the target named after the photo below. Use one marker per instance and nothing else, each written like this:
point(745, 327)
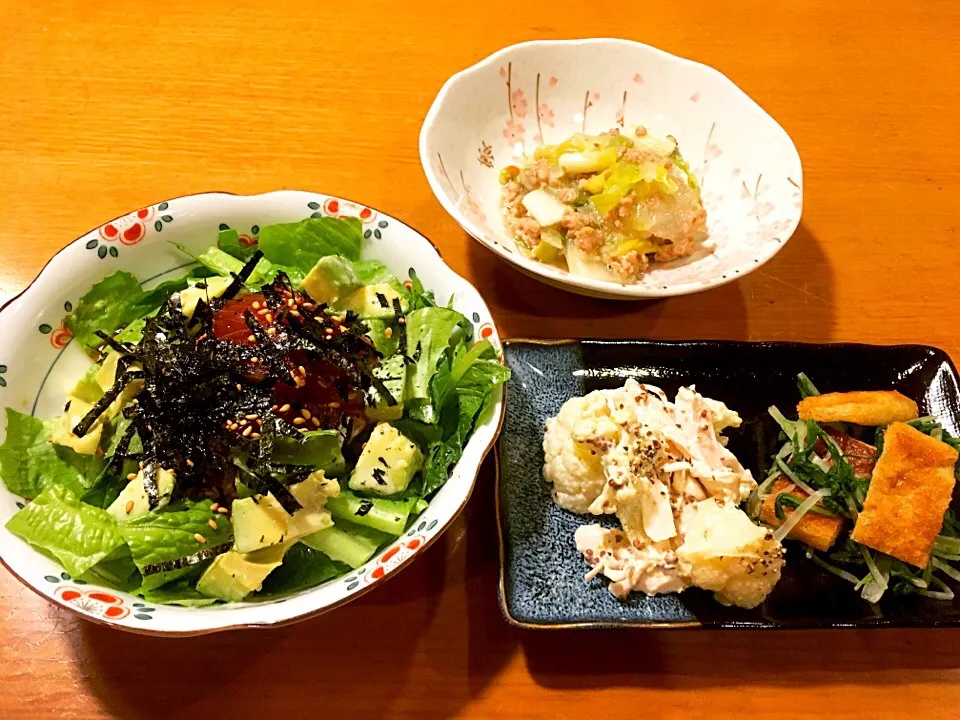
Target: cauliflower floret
point(726, 553)
point(651, 569)
point(723, 417)
point(572, 446)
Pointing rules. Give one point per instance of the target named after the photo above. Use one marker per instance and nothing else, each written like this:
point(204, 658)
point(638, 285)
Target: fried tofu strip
point(880, 407)
point(816, 530)
point(910, 491)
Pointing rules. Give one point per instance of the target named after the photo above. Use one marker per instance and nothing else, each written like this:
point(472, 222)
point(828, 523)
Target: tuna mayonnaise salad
point(664, 470)
point(605, 206)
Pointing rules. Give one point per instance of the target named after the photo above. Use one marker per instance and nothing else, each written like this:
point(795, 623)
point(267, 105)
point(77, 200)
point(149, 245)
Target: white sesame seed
point(200, 538)
point(132, 476)
point(247, 430)
point(298, 421)
point(305, 413)
point(212, 523)
point(285, 407)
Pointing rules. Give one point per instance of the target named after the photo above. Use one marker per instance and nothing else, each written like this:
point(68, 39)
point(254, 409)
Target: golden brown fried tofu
point(816, 530)
point(911, 488)
point(880, 407)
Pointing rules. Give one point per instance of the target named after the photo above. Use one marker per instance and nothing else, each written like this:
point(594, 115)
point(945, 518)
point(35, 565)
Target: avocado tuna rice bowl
point(257, 427)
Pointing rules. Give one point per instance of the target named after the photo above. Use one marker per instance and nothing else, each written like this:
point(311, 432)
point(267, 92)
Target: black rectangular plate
point(542, 582)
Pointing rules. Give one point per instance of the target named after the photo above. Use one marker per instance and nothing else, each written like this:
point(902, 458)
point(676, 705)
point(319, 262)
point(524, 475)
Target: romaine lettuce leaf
point(229, 242)
point(117, 570)
point(302, 567)
point(462, 389)
point(374, 272)
point(78, 535)
point(180, 592)
point(300, 245)
point(30, 463)
point(430, 330)
point(170, 534)
point(115, 302)
point(320, 449)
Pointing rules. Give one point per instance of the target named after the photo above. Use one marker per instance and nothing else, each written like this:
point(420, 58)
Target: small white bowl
point(489, 115)
point(40, 364)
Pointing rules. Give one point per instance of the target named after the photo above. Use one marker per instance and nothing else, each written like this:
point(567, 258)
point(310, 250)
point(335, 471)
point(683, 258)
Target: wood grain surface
point(109, 106)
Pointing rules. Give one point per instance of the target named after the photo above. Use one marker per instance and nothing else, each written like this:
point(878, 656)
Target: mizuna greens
point(832, 465)
point(256, 427)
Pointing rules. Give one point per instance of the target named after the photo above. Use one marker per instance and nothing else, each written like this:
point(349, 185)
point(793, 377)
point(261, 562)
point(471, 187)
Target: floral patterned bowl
point(489, 115)
point(42, 364)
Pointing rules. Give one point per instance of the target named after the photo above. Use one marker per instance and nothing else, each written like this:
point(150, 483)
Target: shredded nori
point(379, 475)
point(201, 393)
point(364, 507)
point(188, 561)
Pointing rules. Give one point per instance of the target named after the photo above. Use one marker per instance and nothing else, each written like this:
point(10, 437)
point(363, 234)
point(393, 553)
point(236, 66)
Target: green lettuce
point(430, 330)
point(170, 534)
point(117, 570)
point(319, 449)
point(115, 302)
point(302, 568)
point(229, 241)
point(462, 390)
point(299, 245)
point(78, 535)
point(30, 463)
point(180, 592)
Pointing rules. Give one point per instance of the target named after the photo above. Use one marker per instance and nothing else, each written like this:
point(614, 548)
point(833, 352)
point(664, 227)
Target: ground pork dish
point(605, 206)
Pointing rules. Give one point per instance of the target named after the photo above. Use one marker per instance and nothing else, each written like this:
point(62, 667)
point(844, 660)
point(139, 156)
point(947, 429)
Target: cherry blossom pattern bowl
point(491, 114)
point(41, 363)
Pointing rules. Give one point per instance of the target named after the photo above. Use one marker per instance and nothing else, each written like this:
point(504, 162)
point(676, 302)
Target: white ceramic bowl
point(489, 115)
point(40, 363)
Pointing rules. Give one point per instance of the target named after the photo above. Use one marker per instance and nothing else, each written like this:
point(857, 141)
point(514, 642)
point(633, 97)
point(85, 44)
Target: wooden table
point(109, 106)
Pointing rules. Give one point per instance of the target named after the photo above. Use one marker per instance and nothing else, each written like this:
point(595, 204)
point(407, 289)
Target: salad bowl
point(500, 110)
point(43, 361)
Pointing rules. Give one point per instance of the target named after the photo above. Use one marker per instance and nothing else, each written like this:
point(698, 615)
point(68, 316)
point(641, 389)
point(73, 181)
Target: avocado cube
point(373, 301)
point(392, 372)
point(258, 522)
point(206, 290)
point(63, 428)
point(107, 376)
point(135, 493)
point(234, 575)
point(88, 388)
point(312, 493)
point(388, 462)
point(332, 278)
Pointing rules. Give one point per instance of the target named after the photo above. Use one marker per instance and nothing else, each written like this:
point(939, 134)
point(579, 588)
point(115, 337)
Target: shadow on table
point(431, 637)
point(702, 659)
point(796, 284)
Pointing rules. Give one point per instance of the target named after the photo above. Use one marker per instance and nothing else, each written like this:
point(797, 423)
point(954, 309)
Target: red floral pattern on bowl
point(395, 557)
point(333, 207)
point(129, 229)
point(95, 602)
point(61, 336)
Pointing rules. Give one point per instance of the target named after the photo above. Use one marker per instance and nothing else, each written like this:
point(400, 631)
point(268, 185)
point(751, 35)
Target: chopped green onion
point(806, 386)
